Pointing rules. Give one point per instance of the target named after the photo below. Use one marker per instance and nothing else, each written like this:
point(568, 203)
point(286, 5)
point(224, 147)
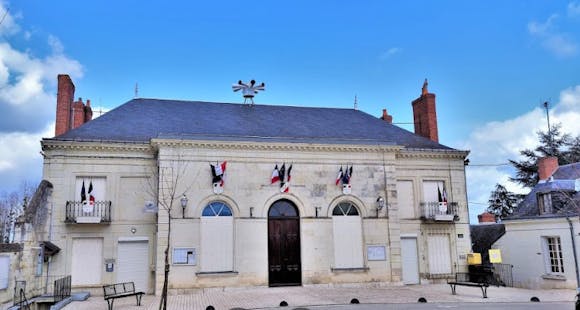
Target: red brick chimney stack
point(88, 111)
point(424, 114)
point(386, 117)
point(64, 100)
point(486, 217)
point(546, 167)
point(69, 114)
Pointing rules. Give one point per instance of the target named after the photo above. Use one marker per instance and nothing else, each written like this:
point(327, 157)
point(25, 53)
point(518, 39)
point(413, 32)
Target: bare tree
point(167, 187)
point(12, 205)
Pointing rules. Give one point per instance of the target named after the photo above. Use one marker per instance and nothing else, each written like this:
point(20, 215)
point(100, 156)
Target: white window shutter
point(405, 199)
point(217, 243)
point(347, 242)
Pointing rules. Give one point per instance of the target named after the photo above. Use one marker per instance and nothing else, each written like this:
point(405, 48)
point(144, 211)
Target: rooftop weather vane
point(248, 90)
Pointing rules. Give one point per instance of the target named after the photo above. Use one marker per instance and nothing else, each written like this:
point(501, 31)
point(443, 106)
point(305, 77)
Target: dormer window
point(545, 203)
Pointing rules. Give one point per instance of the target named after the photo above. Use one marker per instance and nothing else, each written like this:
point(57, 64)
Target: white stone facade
point(129, 168)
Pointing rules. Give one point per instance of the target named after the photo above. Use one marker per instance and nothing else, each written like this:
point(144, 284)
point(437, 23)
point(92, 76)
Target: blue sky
point(490, 63)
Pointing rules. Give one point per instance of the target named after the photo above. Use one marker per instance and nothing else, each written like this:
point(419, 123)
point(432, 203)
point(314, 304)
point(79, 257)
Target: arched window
point(347, 229)
point(217, 238)
point(345, 208)
point(216, 208)
point(283, 208)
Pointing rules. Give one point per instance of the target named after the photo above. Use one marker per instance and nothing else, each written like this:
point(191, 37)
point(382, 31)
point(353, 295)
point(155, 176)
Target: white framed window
point(90, 186)
point(553, 258)
point(184, 256)
point(347, 232)
point(432, 190)
point(217, 238)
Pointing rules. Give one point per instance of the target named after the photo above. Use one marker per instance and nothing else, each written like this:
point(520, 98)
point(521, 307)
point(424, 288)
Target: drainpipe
point(575, 257)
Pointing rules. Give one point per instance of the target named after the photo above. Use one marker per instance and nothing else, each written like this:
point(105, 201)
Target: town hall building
point(251, 195)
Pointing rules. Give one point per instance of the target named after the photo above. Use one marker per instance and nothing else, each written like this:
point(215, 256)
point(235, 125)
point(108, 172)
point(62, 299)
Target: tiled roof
point(140, 120)
point(563, 181)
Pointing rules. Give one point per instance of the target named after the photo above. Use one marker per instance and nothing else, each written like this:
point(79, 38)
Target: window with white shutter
point(347, 230)
point(217, 238)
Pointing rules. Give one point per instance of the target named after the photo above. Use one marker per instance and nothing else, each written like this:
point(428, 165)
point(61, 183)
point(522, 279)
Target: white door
point(87, 261)
point(410, 260)
point(133, 263)
point(439, 254)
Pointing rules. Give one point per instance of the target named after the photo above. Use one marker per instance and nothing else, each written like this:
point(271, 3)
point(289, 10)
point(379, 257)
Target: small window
point(553, 255)
point(184, 256)
point(346, 209)
point(217, 209)
point(545, 203)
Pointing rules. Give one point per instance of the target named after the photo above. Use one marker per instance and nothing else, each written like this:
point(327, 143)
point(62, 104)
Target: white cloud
point(561, 44)
point(8, 24)
point(390, 52)
point(27, 102)
point(494, 143)
point(573, 9)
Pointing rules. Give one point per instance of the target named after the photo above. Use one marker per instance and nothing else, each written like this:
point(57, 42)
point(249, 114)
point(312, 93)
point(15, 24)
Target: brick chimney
point(69, 114)
point(424, 114)
point(386, 117)
point(546, 167)
point(486, 217)
point(88, 111)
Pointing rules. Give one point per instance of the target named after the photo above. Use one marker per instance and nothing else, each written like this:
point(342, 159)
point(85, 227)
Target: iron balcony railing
point(83, 213)
point(435, 211)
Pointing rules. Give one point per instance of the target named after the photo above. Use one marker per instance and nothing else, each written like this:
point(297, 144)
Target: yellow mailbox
point(474, 258)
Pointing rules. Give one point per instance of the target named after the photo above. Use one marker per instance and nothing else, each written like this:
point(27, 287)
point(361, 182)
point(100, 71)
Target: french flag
point(339, 176)
point(275, 175)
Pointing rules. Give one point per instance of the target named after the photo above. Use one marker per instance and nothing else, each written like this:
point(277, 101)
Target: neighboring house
point(384, 221)
point(538, 240)
point(28, 257)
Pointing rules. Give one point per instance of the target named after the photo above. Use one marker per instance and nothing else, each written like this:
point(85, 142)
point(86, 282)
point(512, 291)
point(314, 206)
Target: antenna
point(136, 90)
point(546, 106)
point(355, 103)
point(248, 90)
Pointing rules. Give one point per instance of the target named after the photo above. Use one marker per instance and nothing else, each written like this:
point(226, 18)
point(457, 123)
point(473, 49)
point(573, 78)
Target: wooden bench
point(462, 279)
point(120, 290)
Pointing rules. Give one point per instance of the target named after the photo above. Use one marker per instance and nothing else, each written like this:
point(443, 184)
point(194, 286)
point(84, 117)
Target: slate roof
point(563, 180)
point(140, 120)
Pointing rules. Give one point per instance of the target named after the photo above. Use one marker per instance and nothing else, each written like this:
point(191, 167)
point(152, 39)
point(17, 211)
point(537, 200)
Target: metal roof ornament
point(248, 90)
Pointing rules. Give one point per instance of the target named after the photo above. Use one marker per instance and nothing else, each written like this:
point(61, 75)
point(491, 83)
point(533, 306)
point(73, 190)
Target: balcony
point(434, 211)
point(79, 213)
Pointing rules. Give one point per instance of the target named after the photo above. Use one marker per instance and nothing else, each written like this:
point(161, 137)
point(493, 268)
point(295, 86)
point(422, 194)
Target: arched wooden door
point(284, 244)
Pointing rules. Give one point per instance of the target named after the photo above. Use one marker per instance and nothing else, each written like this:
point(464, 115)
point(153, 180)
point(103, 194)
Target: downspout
point(575, 255)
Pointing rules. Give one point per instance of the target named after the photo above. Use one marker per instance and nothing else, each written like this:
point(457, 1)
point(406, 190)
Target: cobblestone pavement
point(265, 297)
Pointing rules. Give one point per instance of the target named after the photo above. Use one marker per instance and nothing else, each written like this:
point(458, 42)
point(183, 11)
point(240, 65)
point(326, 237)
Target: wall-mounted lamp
point(380, 203)
point(183, 201)
point(251, 211)
point(133, 230)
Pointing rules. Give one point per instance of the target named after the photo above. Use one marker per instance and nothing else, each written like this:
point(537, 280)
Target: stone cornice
point(432, 153)
point(237, 145)
point(101, 146)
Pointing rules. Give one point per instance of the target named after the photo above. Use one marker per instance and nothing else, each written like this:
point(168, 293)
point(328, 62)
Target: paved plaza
point(295, 297)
